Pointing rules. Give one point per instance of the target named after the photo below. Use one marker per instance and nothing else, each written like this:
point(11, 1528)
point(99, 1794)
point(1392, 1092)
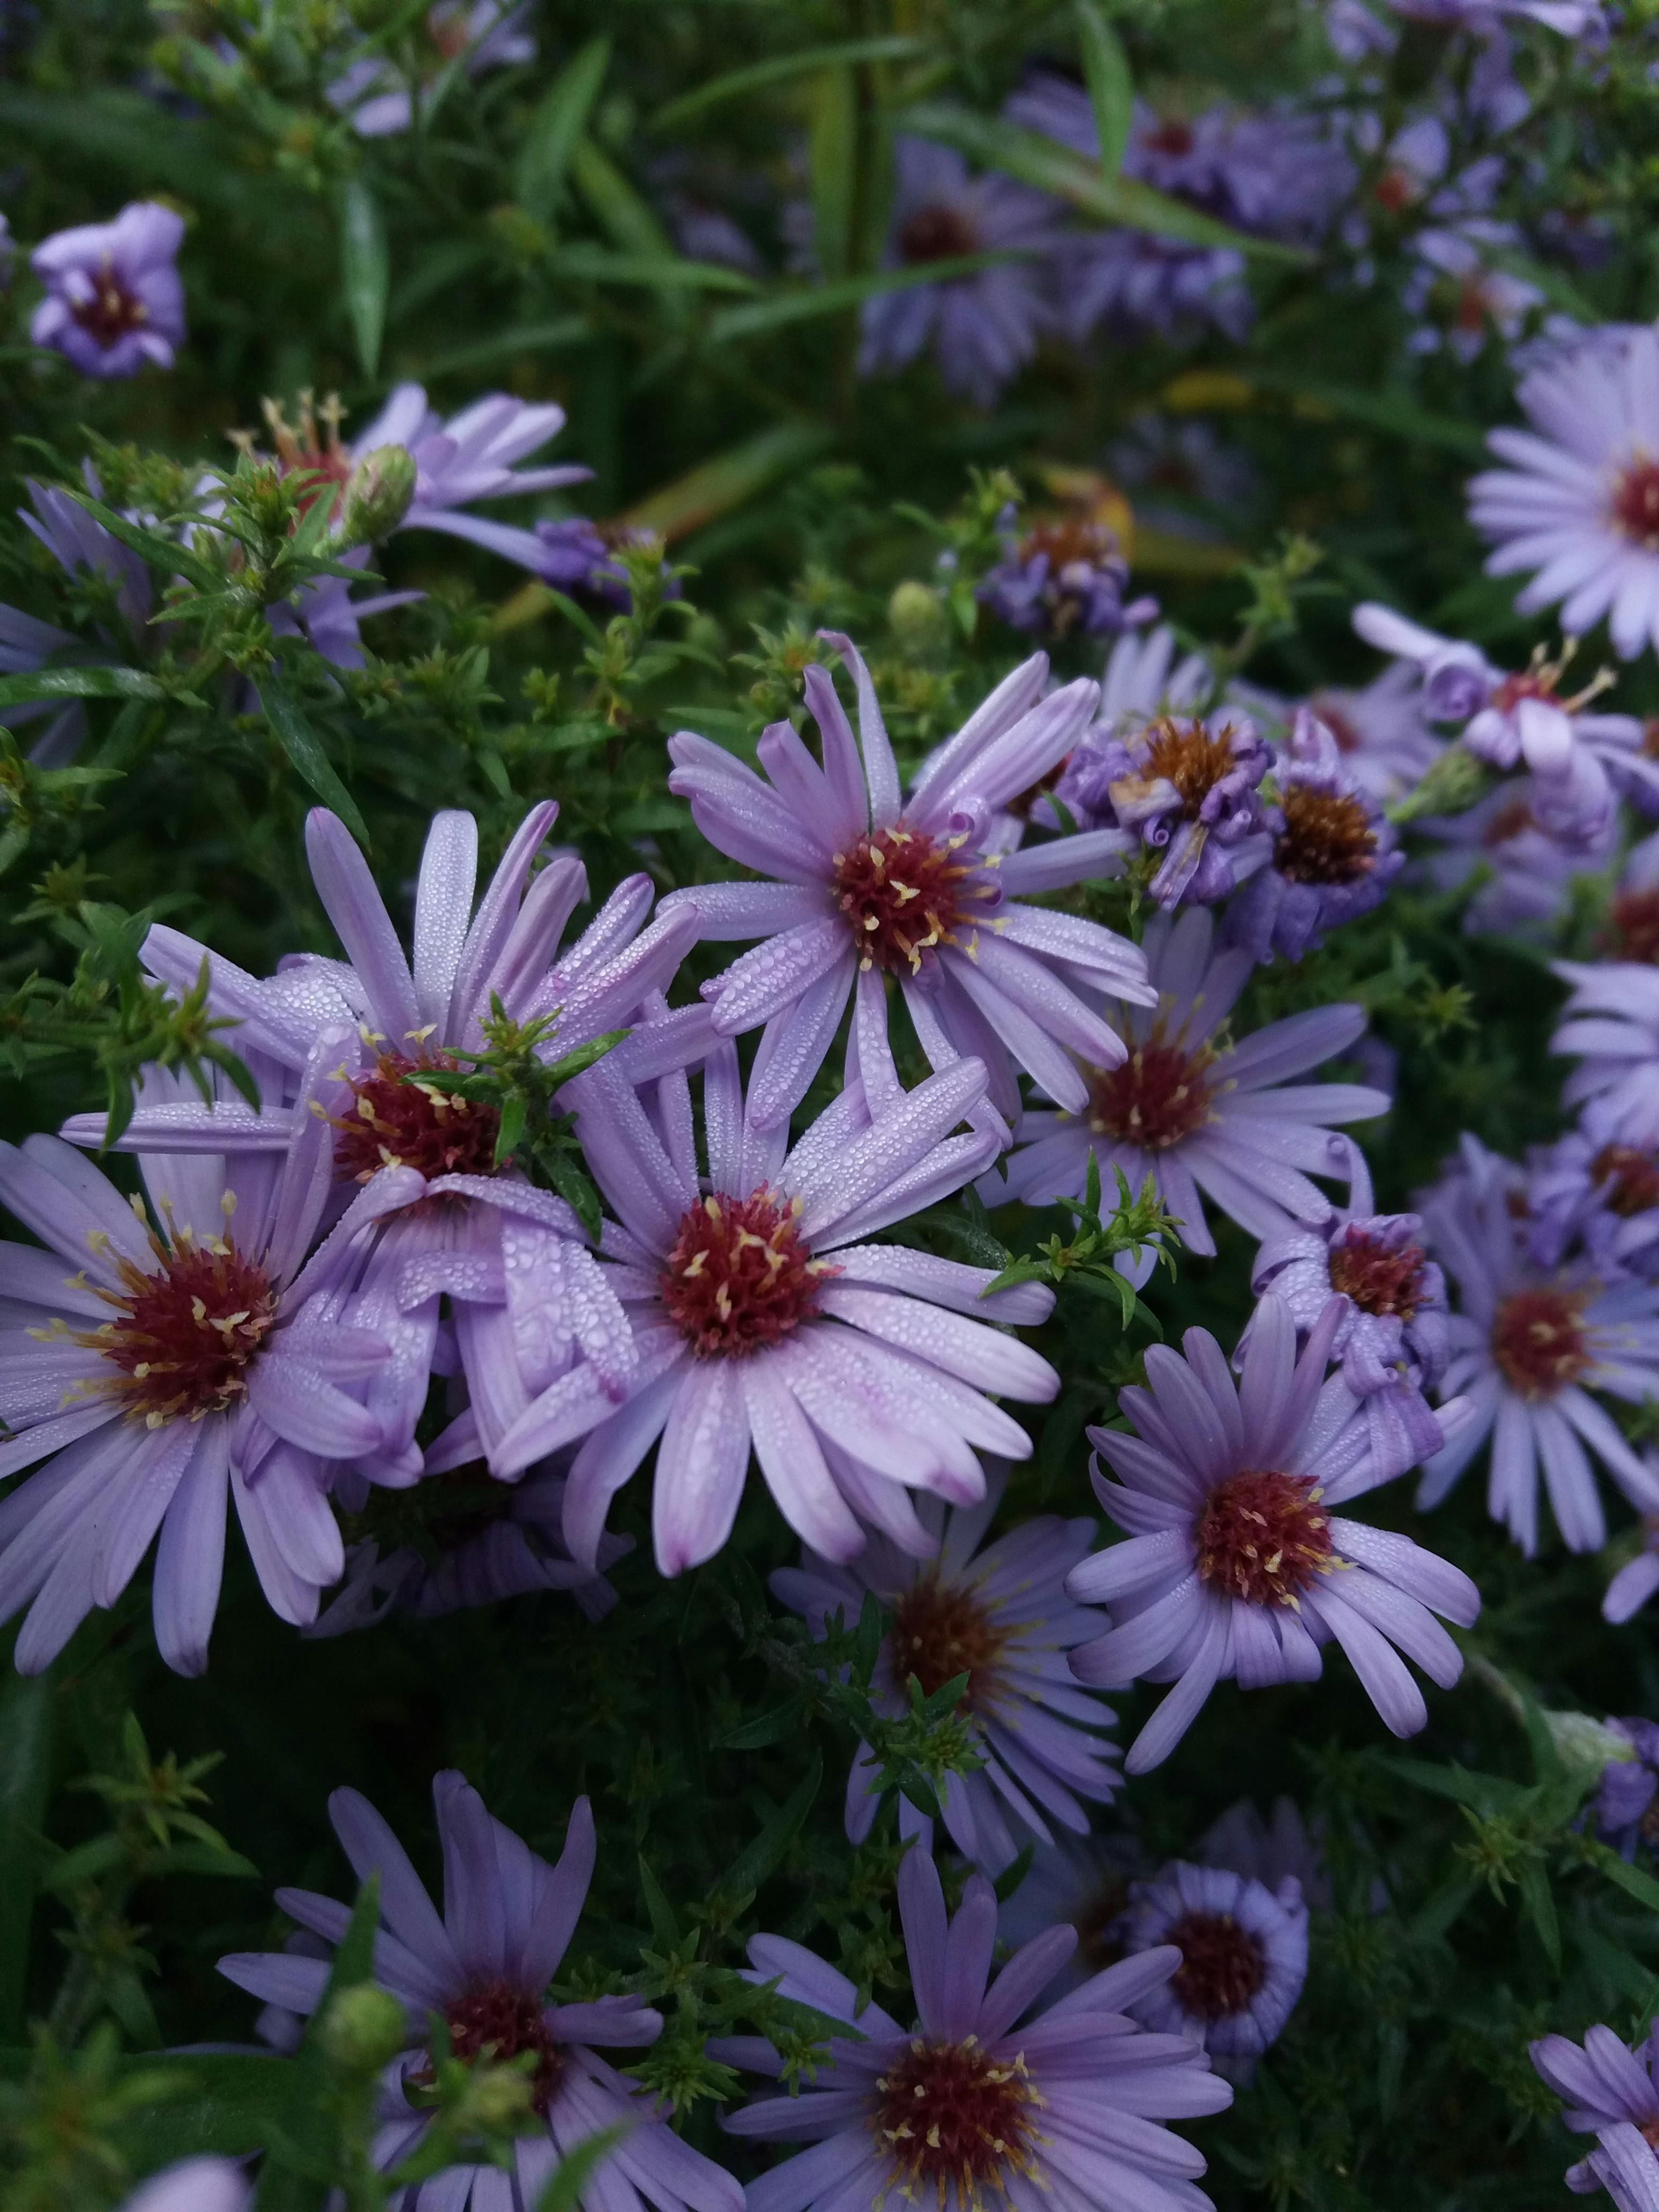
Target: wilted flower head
point(1187, 788)
point(114, 297)
point(1063, 577)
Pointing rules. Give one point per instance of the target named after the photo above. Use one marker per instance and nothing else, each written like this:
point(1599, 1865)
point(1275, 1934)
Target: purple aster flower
point(1385, 744)
point(1610, 2091)
point(1460, 296)
point(1195, 1111)
point(1573, 19)
point(1528, 1348)
point(983, 328)
point(1638, 1579)
point(1595, 1189)
point(1531, 869)
point(1624, 1796)
point(186, 1354)
point(1332, 857)
point(580, 558)
point(763, 1317)
point(1064, 577)
point(1243, 1959)
point(1631, 931)
point(1282, 1847)
point(1578, 507)
point(1187, 787)
point(1082, 1881)
point(528, 1299)
point(966, 2105)
point(1392, 1340)
point(1236, 1567)
point(1001, 1616)
point(484, 1969)
point(1610, 1026)
point(195, 2185)
point(482, 34)
point(114, 298)
point(26, 644)
point(1137, 684)
point(867, 881)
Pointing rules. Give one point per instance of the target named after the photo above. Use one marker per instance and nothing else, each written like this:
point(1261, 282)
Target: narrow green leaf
point(832, 143)
point(1445, 1905)
point(1540, 1906)
point(204, 1859)
point(365, 268)
point(727, 480)
point(1642, 1887)
point(765, 1854)
point(615, 206)
point(1489, 1794)
point(510, 1129)
point(153, 546)
point(225, 2105)
point(26, 1733)
point(1111, 94)
point(663, 1926)
point(307, 2120)
point(584, 1056)
point(554, 337)
point(594, 264)
point(545, 154)
point(78, 683)
point(801, 303)
point(305, 749)
point(767, 1729)
point(778, 69)
point(564, 2185)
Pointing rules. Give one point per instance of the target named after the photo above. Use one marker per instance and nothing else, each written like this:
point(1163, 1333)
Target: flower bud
point(364, 2030)
point(378, 495)
point(1452, 785)
point(918, 618)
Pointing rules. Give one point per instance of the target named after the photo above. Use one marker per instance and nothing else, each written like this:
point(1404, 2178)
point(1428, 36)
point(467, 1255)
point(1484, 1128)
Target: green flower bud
point(364, 2030)
point(1452, 785)
point(919, 621)
point(378, 495)
point(497, 2100)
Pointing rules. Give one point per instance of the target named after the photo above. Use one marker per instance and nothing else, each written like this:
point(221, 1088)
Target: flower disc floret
point(1262, 1537)
point(1183, 751)
point(1629, 1176)
point(1636, 503)
point(1222, 1966)
point(1633, 926)
point(905, 892)
point(398, 1123)
point(1328, 836)
point(500, 2022)
point(741, 1276)
point(1379, 1278)
point(941, 1630)
point(949, 2113)
point(1158, 1098)
point(936, 233)
point(1538, 1341)
point(187, 1331)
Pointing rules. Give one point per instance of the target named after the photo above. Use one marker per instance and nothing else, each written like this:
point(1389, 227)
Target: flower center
point(112, 311)
point(501, 2022)
point(1535, 683)
point(1156, 1099)
point(1513, 819)
point(1173, 136)
point(1096, 1924)
point(1066, 539)
point(936, 234)
point(951, 2113)
point(1636, 504)
point(905, 892)
point(741, 1275)
point(1328, 836)
point(449, 29)
point(1378, 1277)
point(1634, 925)
point(1222, 1965)
point(941, 1631)
point(1396, 190)
point(1632, 1176)
point(1262, 1537)
point(1538, 1341)
point(1340, 724)
point(1187, 754)
point(186, 1332)
point(305, 450)
point(412, 1125)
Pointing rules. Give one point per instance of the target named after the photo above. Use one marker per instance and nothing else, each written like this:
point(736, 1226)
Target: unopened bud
point(497, 2099)
point(1452, 785)
point(378, 495)
point(917, 616)
point(364, 2030)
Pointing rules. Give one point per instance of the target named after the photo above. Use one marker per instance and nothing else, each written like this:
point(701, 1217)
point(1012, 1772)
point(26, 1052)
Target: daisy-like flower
point(1392, 1340)
point(114, 297)
point(1636, 1582)
point(1631, 929)
point(1612, 2092)
point(161, 1363)
point(528, 1298)
point(1578, 505)
point(580, 557)
point(1000, 1615)
point(1236, 1565)
point(1380, 733)
point(1187, 787)
point(969, 2104)
point(1624, 1804)
point(1196, 1111)
point(1142, 680)
point(1064, 577)
point(1268, 1851)
point(1461, 297)
point(1243, 1959)
point(483, 1967)
point(195, 2185)
point(1528, 1348)
point(1596, 1188)
point(479, 34)
point(1530, 870)
point(983, 328)
point(1610, 1025)
point(867, 881)
point(764, 1320)
point(1082, 1881)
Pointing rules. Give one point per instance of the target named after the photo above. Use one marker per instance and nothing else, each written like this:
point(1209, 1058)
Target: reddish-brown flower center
point(1636, 504)
point(936, 234)
point(1535, 683)
point(1263, 1536)
point(1222, 1965)
point(1340, 724)
point(412, 1125)
point(951, 2113)
point(1183, 752)
point(1396, 190)
point(112, 311)
point(1174, 135)
point(1096, 1924)
point(941, 1631)
point(1632, 1177)
point(741, 1275)
point(500, 2022)
point(449, 29)
point(1066, 538)
point(1328, 836)
point(1158, 1098)
point(905, 893)
point(1538, 1341)
point(305, 449)
point(1633, 925)
point(185, 1333)
point(1473, 304)
point(1513, 819)
point(1377, 1280)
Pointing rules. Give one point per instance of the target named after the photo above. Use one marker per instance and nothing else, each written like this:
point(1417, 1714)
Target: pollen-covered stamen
point(500, 2020)
point(1633, 926)
point(936, 234)
point(1539, 1342)
point(186, 1332)
point(1380, 1279)
point(949, 2113)
point(1263, 1536)
point(1158, 1098)
point(1636, 503)
point(905, 893)
point(395, 1123)
point(1328, 836)
point(304, 449)
point(741, 1275)
point(1541, 679)
point(940, 1631)
point(1222, 1965)
point(1629, 1177)
point(112, 311)
point(1183, 752)
point(1068, 538)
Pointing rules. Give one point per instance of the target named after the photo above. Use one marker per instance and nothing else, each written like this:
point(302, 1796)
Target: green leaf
point(510, 1132)
point(26, 1733)
point(767, 1729)
point(558, 122)
point(1643, 1888)
point(832, 143)
point(305, 749)
point(204, 1859)
point(728, 479)
point(1489, 1794)
point(1111, 94)
point(1051, 167)
point(306, 2123)
point(365, 269)
point(778, 69)
point(595, 265)
point(615, 206)
point(524, 337)
point(565, 2184)
point(1446, 1903)
point(663, 1926)
point(584, 1056)
point(1541, 1905)
point(766, 1853)
point(80, 683)
point(801, 303)
point(152, 546)
point(226, 2106)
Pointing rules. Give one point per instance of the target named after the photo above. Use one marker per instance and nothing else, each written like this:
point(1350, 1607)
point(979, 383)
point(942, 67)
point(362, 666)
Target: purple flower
point(483, 1968)
point(1638, 1579)
point(1380, 733)
point(983, 328)
point(1630, 930)
point(1611, 1025)
point(1137, 684)
point(1612, 2092)
point(184, 1354)
point(1332, 857)
point(195, 2185)
point(27, 644)
point(485, 34)
point(1532, 869)
point(1573, 19)
point(1186, 789)
point(1235, 1565)
point(1579, 504)
point(580, 558)
point(1001, 1616)
point(1526, 1348)
point(967, 2105)
point(1082, 1881)
point(762, 1319)
point(1064, 578)
point(529, 1301)
point(1392, 1340)
point(1596, 1188)
point(1459, 296)
point(1627, 2165)
point(114, 298)
point(1196, 1111)
point(1624, 1795)
point(1283, 1846)
point(1243, 1959)
point(867, 882)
